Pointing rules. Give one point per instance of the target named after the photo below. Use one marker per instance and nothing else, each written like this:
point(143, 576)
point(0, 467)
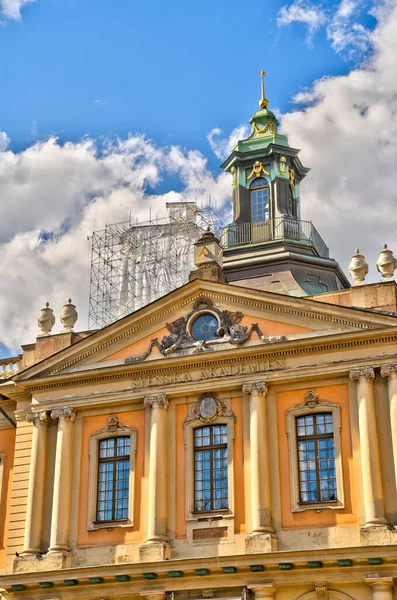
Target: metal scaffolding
point(133, 264)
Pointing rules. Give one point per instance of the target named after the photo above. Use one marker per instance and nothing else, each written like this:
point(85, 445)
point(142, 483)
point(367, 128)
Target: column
point(390, 371)
point(259, 458)
point(263, 590)
point(157, 504)
point(370, 460)
point(382, 587)
point(34, 510)
point(60, 520)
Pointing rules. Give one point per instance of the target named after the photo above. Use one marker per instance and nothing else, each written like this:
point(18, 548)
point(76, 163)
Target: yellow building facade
point(225, 441)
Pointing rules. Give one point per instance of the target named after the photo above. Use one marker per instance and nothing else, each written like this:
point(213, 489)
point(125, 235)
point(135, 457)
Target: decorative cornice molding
point(252, 386)
point(66, 412)
point(298, 349)
point(156, 400)
point(387, 370)
point(367, 372)
point(215, 296)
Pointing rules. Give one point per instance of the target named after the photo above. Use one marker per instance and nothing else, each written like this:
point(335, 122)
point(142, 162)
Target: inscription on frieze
point(209, 373)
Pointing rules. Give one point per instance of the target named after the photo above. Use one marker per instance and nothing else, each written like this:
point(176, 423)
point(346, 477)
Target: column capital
point(41, 415)
point(157, 400)
point(380, 583)
point(66, 412)
point(263, 590)
point(387, 370)
point(367, 372)
point(259, 386)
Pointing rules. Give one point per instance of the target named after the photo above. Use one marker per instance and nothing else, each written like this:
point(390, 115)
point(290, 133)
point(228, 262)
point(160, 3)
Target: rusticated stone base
point(260, 542)
point(152, 551)
point(45, 562)
point(378, 536)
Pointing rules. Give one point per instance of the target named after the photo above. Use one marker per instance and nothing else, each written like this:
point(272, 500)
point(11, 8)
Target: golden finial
point(263, 102)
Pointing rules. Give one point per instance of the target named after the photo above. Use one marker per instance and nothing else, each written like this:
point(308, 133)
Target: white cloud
point(4, 141)
point(12, 8)
point(345, 33)
point(302, 11)
point(222, 146)
point(53, 196)
point(348, 137)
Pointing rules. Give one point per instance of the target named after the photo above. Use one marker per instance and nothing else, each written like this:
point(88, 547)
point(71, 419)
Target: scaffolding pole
point(133, 264)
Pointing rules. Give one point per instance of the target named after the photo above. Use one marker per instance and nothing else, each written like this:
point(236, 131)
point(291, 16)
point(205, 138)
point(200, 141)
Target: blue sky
point(173, 70)
point(111, 108)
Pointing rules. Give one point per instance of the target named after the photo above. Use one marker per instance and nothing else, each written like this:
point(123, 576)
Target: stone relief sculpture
point(228, 331)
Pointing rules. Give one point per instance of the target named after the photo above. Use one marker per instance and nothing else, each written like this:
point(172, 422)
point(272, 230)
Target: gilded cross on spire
point(263, 102)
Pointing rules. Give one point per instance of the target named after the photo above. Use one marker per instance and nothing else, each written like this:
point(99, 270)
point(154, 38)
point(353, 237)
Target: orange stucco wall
point(7, 445)
point(238, 461)
point(269, 327)
point(336, 394)
point(140, 346)
point(120, 535)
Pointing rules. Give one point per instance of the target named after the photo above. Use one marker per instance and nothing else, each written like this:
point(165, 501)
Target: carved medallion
point(207, 408)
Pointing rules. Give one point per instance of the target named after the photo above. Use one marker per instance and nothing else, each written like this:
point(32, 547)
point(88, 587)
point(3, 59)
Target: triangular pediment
point(244, 317)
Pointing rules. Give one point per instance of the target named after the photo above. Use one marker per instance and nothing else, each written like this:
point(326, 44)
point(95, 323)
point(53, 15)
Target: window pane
point(316, 462)
point(210, 468)
point(113, 479)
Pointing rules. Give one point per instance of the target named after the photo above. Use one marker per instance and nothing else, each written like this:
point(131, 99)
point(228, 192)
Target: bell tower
point(268, 246)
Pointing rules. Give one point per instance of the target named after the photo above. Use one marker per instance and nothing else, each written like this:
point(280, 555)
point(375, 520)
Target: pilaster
point(263, 590)
point(34, 510)
point(262, 537)
point(382, 587)
point(370, 459)
point(157, 546)
point(60, 520)
point(390, 372)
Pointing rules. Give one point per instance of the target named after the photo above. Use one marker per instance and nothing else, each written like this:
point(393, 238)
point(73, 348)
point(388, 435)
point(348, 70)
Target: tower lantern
point(268, 243)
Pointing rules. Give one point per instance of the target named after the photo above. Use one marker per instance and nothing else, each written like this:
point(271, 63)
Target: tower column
point(59, 537)
point(370, 459)
point(390, 371)
point(34, 510)
point(158, 462)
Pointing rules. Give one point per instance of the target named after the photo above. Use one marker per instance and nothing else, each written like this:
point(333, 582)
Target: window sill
point(109, 524)
point(214, 515)
point(318, 506)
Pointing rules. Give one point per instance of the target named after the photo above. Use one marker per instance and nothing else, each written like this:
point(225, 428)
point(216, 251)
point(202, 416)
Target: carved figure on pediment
point(229, 330)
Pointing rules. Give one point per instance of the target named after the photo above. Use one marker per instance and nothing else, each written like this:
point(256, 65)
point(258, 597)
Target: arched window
point(259, 200)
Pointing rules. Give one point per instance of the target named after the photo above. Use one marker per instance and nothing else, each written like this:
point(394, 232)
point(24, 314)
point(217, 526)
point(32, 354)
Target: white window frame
point(114, 430)
point(313, 406)
point(212, 518)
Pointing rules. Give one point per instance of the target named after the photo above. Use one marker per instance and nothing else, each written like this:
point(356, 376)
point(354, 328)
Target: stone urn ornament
point(358, 268)
point(46, 319)
point(386, 263)
point(69, 316)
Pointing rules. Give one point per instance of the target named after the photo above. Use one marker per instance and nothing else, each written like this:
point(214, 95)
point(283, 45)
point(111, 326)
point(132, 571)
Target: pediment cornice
point(274, 306)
